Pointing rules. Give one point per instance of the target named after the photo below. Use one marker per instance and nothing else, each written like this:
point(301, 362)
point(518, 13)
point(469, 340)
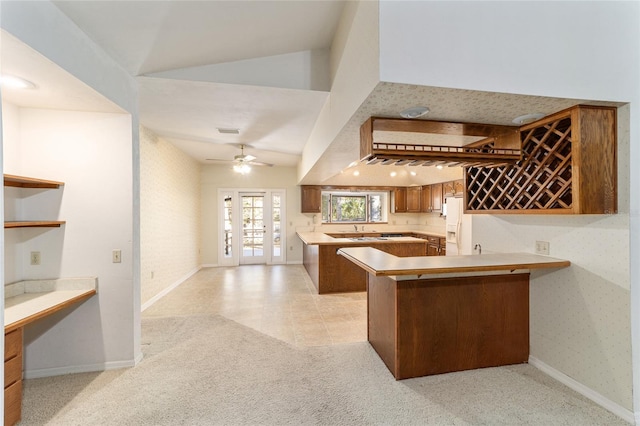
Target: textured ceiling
point(456, 105)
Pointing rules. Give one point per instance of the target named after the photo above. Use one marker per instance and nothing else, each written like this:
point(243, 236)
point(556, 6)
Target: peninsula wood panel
point(425, 327)
point(339, 275)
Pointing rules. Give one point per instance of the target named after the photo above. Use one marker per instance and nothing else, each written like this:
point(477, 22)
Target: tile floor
point(278, 300)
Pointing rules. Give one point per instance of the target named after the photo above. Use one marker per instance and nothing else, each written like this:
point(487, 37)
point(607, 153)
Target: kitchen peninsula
point(331, 273)
point(433, 315)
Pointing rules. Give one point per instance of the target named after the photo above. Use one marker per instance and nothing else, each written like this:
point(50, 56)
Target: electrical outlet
point(116, 256)
point(35, 258)
point(542, 247)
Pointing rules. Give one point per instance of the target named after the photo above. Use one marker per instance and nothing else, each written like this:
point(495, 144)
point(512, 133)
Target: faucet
point(479, 248)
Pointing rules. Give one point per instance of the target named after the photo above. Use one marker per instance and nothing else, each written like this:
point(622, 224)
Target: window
point(353, 207)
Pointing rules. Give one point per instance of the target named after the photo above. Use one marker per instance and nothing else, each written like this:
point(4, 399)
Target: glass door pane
point(276, 250)
point(253, 229)
point(227, 236)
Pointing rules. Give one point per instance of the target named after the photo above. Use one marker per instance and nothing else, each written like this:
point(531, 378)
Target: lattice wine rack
point(568, 165)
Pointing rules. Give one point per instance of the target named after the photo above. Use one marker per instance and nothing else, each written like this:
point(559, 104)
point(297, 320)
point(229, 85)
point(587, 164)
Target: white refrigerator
point(458, 228)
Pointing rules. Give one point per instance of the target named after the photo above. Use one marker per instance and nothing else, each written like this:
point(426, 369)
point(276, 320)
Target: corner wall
point(354, 73)
point(91, 154)
point(111, 336)
point(169, 215)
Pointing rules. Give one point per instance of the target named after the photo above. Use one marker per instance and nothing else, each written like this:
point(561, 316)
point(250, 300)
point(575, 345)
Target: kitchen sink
point(368, 239)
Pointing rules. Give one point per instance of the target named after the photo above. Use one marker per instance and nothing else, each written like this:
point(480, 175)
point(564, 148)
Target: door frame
point(236, 230)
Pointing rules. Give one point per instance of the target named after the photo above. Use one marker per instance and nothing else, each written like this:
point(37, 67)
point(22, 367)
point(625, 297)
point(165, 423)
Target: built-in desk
point(26, 302)
point(436, 314)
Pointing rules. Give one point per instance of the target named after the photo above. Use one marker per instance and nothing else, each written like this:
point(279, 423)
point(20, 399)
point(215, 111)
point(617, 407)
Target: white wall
point(214, 177)
point(354, 73)
point(91, 154)
point(170, 215)
point(580, 316)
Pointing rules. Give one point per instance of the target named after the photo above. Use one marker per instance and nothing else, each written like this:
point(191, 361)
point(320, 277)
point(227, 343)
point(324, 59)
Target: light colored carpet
point(207, 370)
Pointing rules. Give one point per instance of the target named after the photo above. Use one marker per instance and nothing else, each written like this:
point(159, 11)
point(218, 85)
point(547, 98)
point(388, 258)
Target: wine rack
point(568, 166)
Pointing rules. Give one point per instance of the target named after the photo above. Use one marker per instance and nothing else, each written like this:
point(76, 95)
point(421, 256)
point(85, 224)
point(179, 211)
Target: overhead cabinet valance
point(391, 141)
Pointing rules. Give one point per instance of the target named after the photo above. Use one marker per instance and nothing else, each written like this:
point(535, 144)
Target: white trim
point(599, 399)
point(294, 262)
point(168, 289)
point(138, 359)
point(209, 265)
point(89, 368)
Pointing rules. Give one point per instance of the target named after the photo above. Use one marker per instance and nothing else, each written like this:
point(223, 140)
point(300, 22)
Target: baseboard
point(599, 399)
point(59, 371)
point(168, 289)
point(209, 265)
point(294, 262)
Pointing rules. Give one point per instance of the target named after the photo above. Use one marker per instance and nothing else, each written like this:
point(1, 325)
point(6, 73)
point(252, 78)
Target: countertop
point(380, 263)
point(320, 238)
point(27, 301)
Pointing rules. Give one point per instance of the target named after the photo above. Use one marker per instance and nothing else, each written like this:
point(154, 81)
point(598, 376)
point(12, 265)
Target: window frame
point(384, 201)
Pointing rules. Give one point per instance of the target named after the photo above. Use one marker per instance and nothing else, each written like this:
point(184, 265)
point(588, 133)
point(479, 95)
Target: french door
point(251, 227)
point(254, 238)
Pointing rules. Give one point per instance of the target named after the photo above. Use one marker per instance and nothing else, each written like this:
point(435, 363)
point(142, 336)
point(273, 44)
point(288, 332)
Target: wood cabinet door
point(399, 200)
point(436, 197)
point(458, 188)
point(433, 250)
point(413, 199)
point(311, 199)
point(425, 199)
point(447, 189)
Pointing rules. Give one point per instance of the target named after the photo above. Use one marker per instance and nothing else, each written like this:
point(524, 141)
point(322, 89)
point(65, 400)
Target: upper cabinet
point(311, 199)
point(425, 201)
point(28, 182)
point(413, 199)
point(399, 200)
point(436, 197)
point(454, 188)
point(568, 166)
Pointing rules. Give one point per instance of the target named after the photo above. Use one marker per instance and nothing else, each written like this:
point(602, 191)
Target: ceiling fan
point(243, 162)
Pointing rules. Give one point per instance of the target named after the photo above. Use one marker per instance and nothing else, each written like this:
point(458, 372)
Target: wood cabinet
point(436, 246)
point(311, 199)
point(413, 199)
point(332, 273)
point(399, 200)
point(425, 201)
point(454, 188)
point(28, 182)
point(568, 166)
point(12, 377)
point(436, 197)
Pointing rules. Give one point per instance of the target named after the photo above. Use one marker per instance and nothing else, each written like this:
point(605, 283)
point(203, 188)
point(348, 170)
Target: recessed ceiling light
point(229, 131)
point(356, 173)
point(414, 112)
point(412, 173)
point(439, 167)
point(353, 163)
point(13, 82)
point(527, 118)
point(392, 174)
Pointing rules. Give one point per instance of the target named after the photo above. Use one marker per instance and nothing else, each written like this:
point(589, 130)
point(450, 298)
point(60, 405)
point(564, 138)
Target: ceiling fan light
point(243, 169)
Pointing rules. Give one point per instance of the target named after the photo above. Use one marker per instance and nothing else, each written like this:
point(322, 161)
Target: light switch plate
point(542, 247)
